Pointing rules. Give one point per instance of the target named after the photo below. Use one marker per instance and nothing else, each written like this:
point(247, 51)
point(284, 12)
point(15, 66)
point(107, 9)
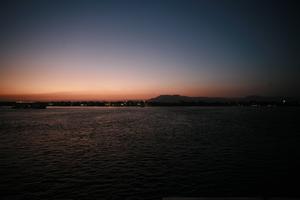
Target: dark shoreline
point(165, 100)
point(43, 105)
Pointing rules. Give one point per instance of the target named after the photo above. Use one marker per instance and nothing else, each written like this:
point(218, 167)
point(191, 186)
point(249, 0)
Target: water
point(149, 153)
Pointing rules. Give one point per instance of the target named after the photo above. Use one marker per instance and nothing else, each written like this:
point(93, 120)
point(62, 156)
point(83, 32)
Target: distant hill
point(171, 99)
point(180, 99)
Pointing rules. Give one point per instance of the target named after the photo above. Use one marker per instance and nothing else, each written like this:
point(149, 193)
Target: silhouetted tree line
point(97, 103)
point(76, 103)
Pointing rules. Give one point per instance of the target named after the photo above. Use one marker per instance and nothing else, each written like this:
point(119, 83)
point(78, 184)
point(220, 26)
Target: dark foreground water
point(149, 153)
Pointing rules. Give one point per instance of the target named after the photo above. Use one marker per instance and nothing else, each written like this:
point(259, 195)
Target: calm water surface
point(149, 153)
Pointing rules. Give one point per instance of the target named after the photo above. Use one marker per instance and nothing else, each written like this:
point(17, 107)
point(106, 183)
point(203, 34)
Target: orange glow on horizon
point(121, 95)
point(106, 77)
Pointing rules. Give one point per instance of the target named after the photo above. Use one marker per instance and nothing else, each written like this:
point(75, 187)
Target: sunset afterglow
point(139, 50)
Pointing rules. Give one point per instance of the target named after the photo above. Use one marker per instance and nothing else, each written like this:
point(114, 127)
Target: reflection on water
point(148, 153)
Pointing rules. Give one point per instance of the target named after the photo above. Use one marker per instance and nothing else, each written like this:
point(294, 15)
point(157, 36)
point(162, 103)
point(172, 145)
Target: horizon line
point(16, 98)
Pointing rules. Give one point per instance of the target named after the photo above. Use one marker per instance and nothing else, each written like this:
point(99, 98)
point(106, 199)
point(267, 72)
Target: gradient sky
point(94, 50)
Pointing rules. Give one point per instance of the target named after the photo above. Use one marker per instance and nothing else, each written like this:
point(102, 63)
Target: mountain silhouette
point(179, 99)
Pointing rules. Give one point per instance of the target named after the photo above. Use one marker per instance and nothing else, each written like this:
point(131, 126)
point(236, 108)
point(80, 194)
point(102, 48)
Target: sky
point(135, 49)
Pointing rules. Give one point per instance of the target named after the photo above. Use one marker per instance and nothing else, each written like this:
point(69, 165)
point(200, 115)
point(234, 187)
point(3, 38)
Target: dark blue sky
point(213, 48)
